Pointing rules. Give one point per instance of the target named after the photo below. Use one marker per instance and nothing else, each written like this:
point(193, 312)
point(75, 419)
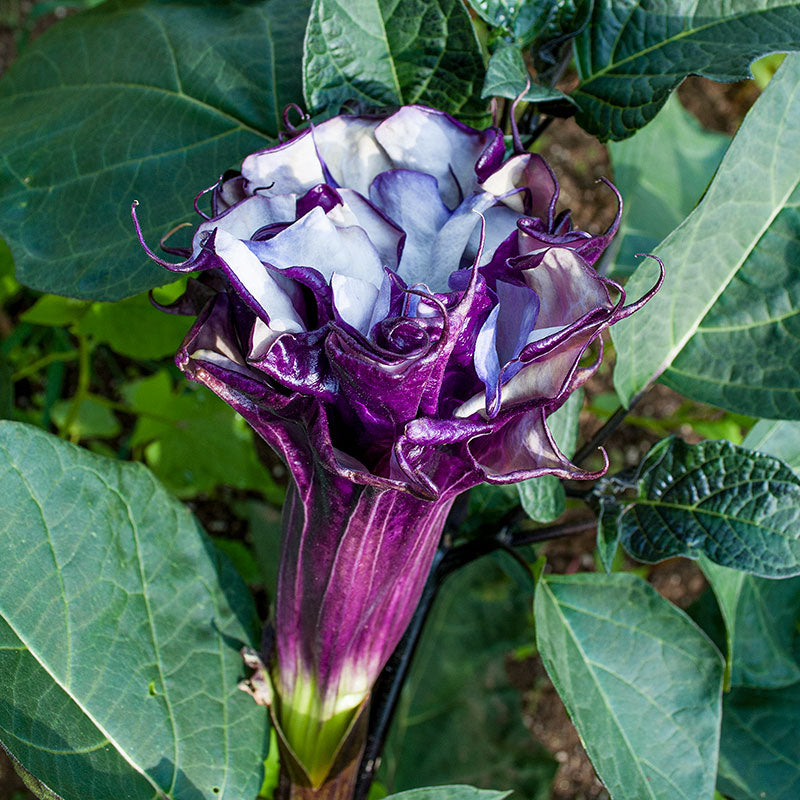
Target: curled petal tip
point(626, 311)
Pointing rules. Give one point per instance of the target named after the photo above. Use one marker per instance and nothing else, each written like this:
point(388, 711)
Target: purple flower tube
point(396, 310)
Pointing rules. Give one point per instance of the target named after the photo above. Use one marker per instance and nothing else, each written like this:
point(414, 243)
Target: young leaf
point(760, 749)
point(507, 76)
point(728, 329)
point(381, 53)
point(543, 498)
point(658, 200)
point(631, 57)
point(458, 717)
point(119, 633)
point(640, 680)
point(134, 99)
point(739, 508)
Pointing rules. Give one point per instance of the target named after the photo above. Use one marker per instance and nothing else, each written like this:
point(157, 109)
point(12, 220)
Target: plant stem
point(43, 362)
point(84, 378)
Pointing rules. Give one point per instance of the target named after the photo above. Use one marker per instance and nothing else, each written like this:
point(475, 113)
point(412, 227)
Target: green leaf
point(760, 749)
point(778, 438)
point(658, 200)
point(134, 99)
point(631, 56)
point(94, 420)
point(507, 76)
point(742, 219)
point(761, 618)
point(737, 507)
point(448, 793)
point(193, 441)
point(393, 53)
point(543, 498)
point(458, 717)
point(134, 328)
point(119, 633)
point(8, 284)
point(640, 680)
point(55, 311)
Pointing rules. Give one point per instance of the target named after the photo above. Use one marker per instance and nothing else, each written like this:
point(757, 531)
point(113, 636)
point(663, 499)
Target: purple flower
point(396, 310)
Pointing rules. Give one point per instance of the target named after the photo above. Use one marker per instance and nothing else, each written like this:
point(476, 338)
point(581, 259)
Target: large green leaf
point(119, 633)
point(640, 680)
point(725, 313)
point(391, 53)
point(543, 498)
point(135, 99)
point(458, 717)
point(739, 508)
point(658, 200)
point(760, 749)
point(634, 53)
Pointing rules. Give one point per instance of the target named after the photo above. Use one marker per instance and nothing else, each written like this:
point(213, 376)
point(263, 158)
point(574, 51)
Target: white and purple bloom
point(396, 310)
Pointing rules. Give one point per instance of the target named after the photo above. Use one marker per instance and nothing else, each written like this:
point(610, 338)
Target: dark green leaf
point(631, 56)
point(658, 200)
point(760, 749)
point(135, 99)
point(458, 718)
point(391, 53)
point(761, 620)
point(735, 317)
point(507, 76)
point(543, 498)
point(639, 679)
point(739, 508)
point(119, 633)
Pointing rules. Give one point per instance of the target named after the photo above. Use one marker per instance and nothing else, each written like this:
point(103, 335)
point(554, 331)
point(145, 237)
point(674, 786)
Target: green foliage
point(119, 631)
point(778, 438)
point(631, 56)
point(760, 749)
point(192, 440)
point(543, 498)
point(133, 99)
point(640, 681)
point(656, 201)
point(726, 332)
point(382, 53)
point(459, 698)
point(737, 507)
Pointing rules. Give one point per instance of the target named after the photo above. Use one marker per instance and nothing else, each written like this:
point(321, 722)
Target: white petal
point(315, 241)
point(429, 141)
point(354, 299)
point(293, 167)
point(256, 280)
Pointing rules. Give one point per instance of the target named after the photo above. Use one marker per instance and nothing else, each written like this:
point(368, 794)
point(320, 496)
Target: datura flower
point(395, 308)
